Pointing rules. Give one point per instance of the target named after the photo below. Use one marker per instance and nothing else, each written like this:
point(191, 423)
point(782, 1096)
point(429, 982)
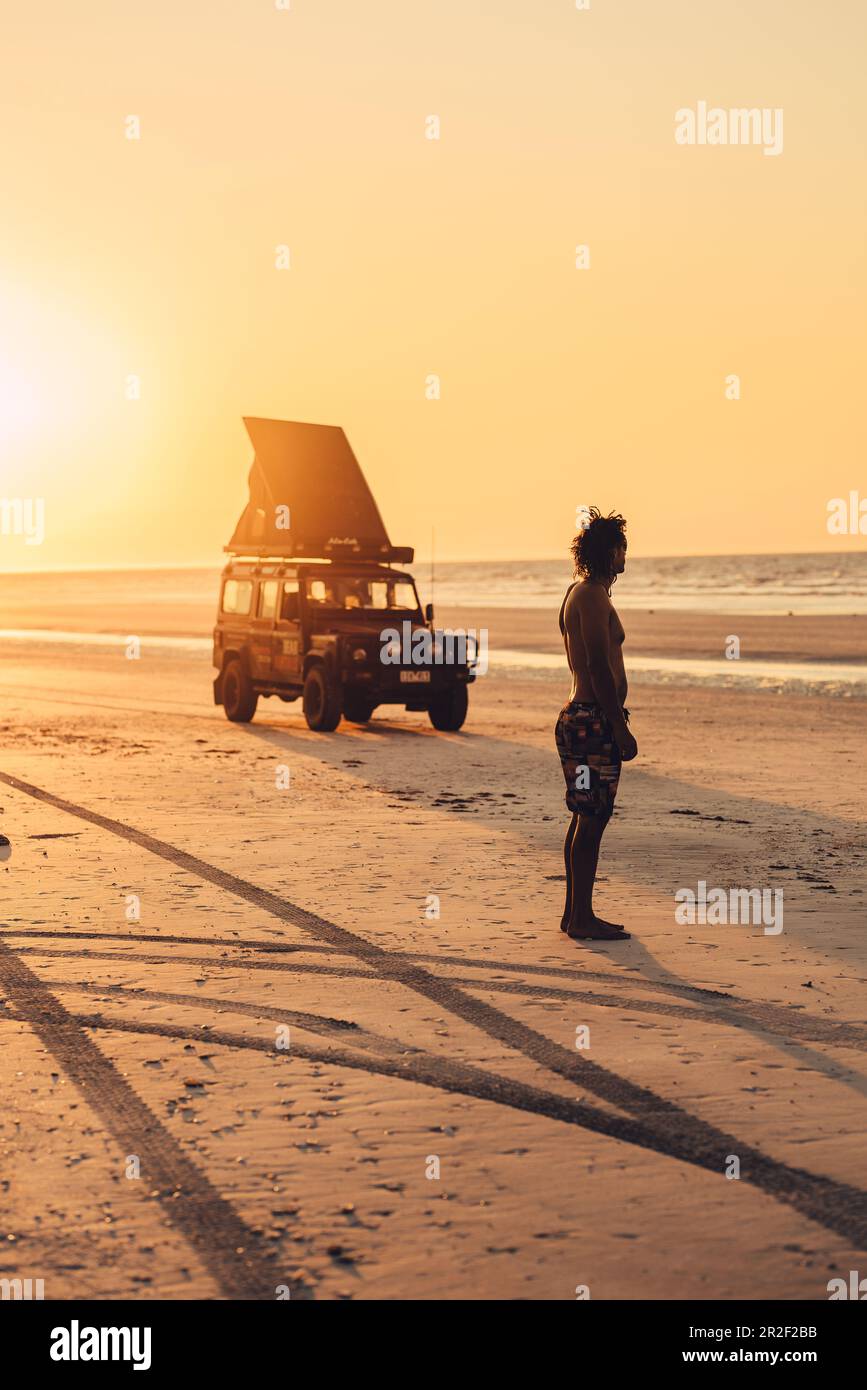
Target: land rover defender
point(311, 602)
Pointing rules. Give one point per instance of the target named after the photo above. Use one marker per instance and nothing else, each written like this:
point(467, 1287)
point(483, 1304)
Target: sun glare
point(20, 406)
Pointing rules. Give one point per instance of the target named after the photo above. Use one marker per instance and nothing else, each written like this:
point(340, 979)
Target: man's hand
point(627, 745)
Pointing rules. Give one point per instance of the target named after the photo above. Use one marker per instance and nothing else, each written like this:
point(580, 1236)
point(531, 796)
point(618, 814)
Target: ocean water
point(800, 584)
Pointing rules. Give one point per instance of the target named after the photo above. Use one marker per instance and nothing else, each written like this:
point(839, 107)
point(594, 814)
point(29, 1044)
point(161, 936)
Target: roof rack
point(396, 555)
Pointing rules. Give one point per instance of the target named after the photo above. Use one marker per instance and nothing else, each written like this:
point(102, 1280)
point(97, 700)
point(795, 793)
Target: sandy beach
point(240, 1055)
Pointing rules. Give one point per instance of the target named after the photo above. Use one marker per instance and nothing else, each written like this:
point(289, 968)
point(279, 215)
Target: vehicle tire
point(356, 707)
point(449, 710)
point(239, 697)
point(322, 700)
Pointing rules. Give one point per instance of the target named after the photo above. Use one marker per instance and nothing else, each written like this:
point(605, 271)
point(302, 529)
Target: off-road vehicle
point(312, 603)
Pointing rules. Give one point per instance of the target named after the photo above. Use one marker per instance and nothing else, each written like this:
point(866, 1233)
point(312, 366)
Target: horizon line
point(149, 566)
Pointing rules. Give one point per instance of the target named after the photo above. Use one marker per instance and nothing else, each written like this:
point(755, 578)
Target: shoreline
point(839, 638)
point(685, 633)
point(815, 679)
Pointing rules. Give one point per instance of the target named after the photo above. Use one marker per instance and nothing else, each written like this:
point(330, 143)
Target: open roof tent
point(309, 498)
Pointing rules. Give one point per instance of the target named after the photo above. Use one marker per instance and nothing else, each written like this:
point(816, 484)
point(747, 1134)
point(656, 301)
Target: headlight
point(359, 654)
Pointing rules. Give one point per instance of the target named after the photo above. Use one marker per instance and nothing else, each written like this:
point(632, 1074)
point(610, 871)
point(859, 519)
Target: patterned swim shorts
point(590, 758)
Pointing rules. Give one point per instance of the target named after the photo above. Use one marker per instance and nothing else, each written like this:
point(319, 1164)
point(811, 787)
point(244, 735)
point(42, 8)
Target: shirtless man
point(592, 735)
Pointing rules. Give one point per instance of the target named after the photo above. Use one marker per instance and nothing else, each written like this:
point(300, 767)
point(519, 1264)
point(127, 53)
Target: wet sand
point(675, 634)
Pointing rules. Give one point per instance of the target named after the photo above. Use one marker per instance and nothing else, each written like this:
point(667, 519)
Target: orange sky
point(409, 257)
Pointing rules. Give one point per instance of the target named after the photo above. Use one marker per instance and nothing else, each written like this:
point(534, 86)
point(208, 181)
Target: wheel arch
point(316, 659)
point(229, 654)
point(236, 654)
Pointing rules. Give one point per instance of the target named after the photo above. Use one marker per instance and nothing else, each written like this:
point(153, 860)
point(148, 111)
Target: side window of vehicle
point(289, 606)
point(268, 598)
point(237, 596)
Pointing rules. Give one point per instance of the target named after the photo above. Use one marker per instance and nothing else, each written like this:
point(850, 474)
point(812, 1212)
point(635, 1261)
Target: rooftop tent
point(308, 497)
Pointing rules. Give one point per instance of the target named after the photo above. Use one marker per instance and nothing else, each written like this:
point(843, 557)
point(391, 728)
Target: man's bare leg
point(567, 857)
point(585, 856)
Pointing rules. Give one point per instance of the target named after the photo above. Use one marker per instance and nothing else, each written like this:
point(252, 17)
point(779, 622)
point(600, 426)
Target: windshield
point(350, 592)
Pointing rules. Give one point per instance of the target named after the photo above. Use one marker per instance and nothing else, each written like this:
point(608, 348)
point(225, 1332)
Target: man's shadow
point(363, 751)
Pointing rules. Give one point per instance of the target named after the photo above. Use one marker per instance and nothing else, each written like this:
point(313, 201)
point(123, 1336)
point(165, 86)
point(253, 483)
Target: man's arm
point(595, 617)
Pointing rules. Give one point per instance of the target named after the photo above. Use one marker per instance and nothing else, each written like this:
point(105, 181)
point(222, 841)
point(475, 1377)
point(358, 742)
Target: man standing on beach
point(591, 733)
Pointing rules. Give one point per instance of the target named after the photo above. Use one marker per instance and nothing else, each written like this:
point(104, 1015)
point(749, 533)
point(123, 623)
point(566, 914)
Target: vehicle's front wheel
point(449, 710)
point(322, 700)
point(357, 708)
point(239, 697)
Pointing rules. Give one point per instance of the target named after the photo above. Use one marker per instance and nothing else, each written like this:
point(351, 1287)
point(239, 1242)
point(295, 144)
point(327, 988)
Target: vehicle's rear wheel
point(322, 700)
point(239, 697)
point(449, 710)
point(357, 708)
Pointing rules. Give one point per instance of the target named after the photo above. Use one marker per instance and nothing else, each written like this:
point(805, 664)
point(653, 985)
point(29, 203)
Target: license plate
point(415, 677)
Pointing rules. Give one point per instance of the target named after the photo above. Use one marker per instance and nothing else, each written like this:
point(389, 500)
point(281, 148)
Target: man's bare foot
point(596, 930)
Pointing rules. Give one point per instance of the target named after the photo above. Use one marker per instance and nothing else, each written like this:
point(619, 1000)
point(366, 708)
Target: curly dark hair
point(594, 546)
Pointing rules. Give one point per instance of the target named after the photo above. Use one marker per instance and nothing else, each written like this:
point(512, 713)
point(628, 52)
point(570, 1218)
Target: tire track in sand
point(670, 1130)
point(732, 1013)
point(239, 1263)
